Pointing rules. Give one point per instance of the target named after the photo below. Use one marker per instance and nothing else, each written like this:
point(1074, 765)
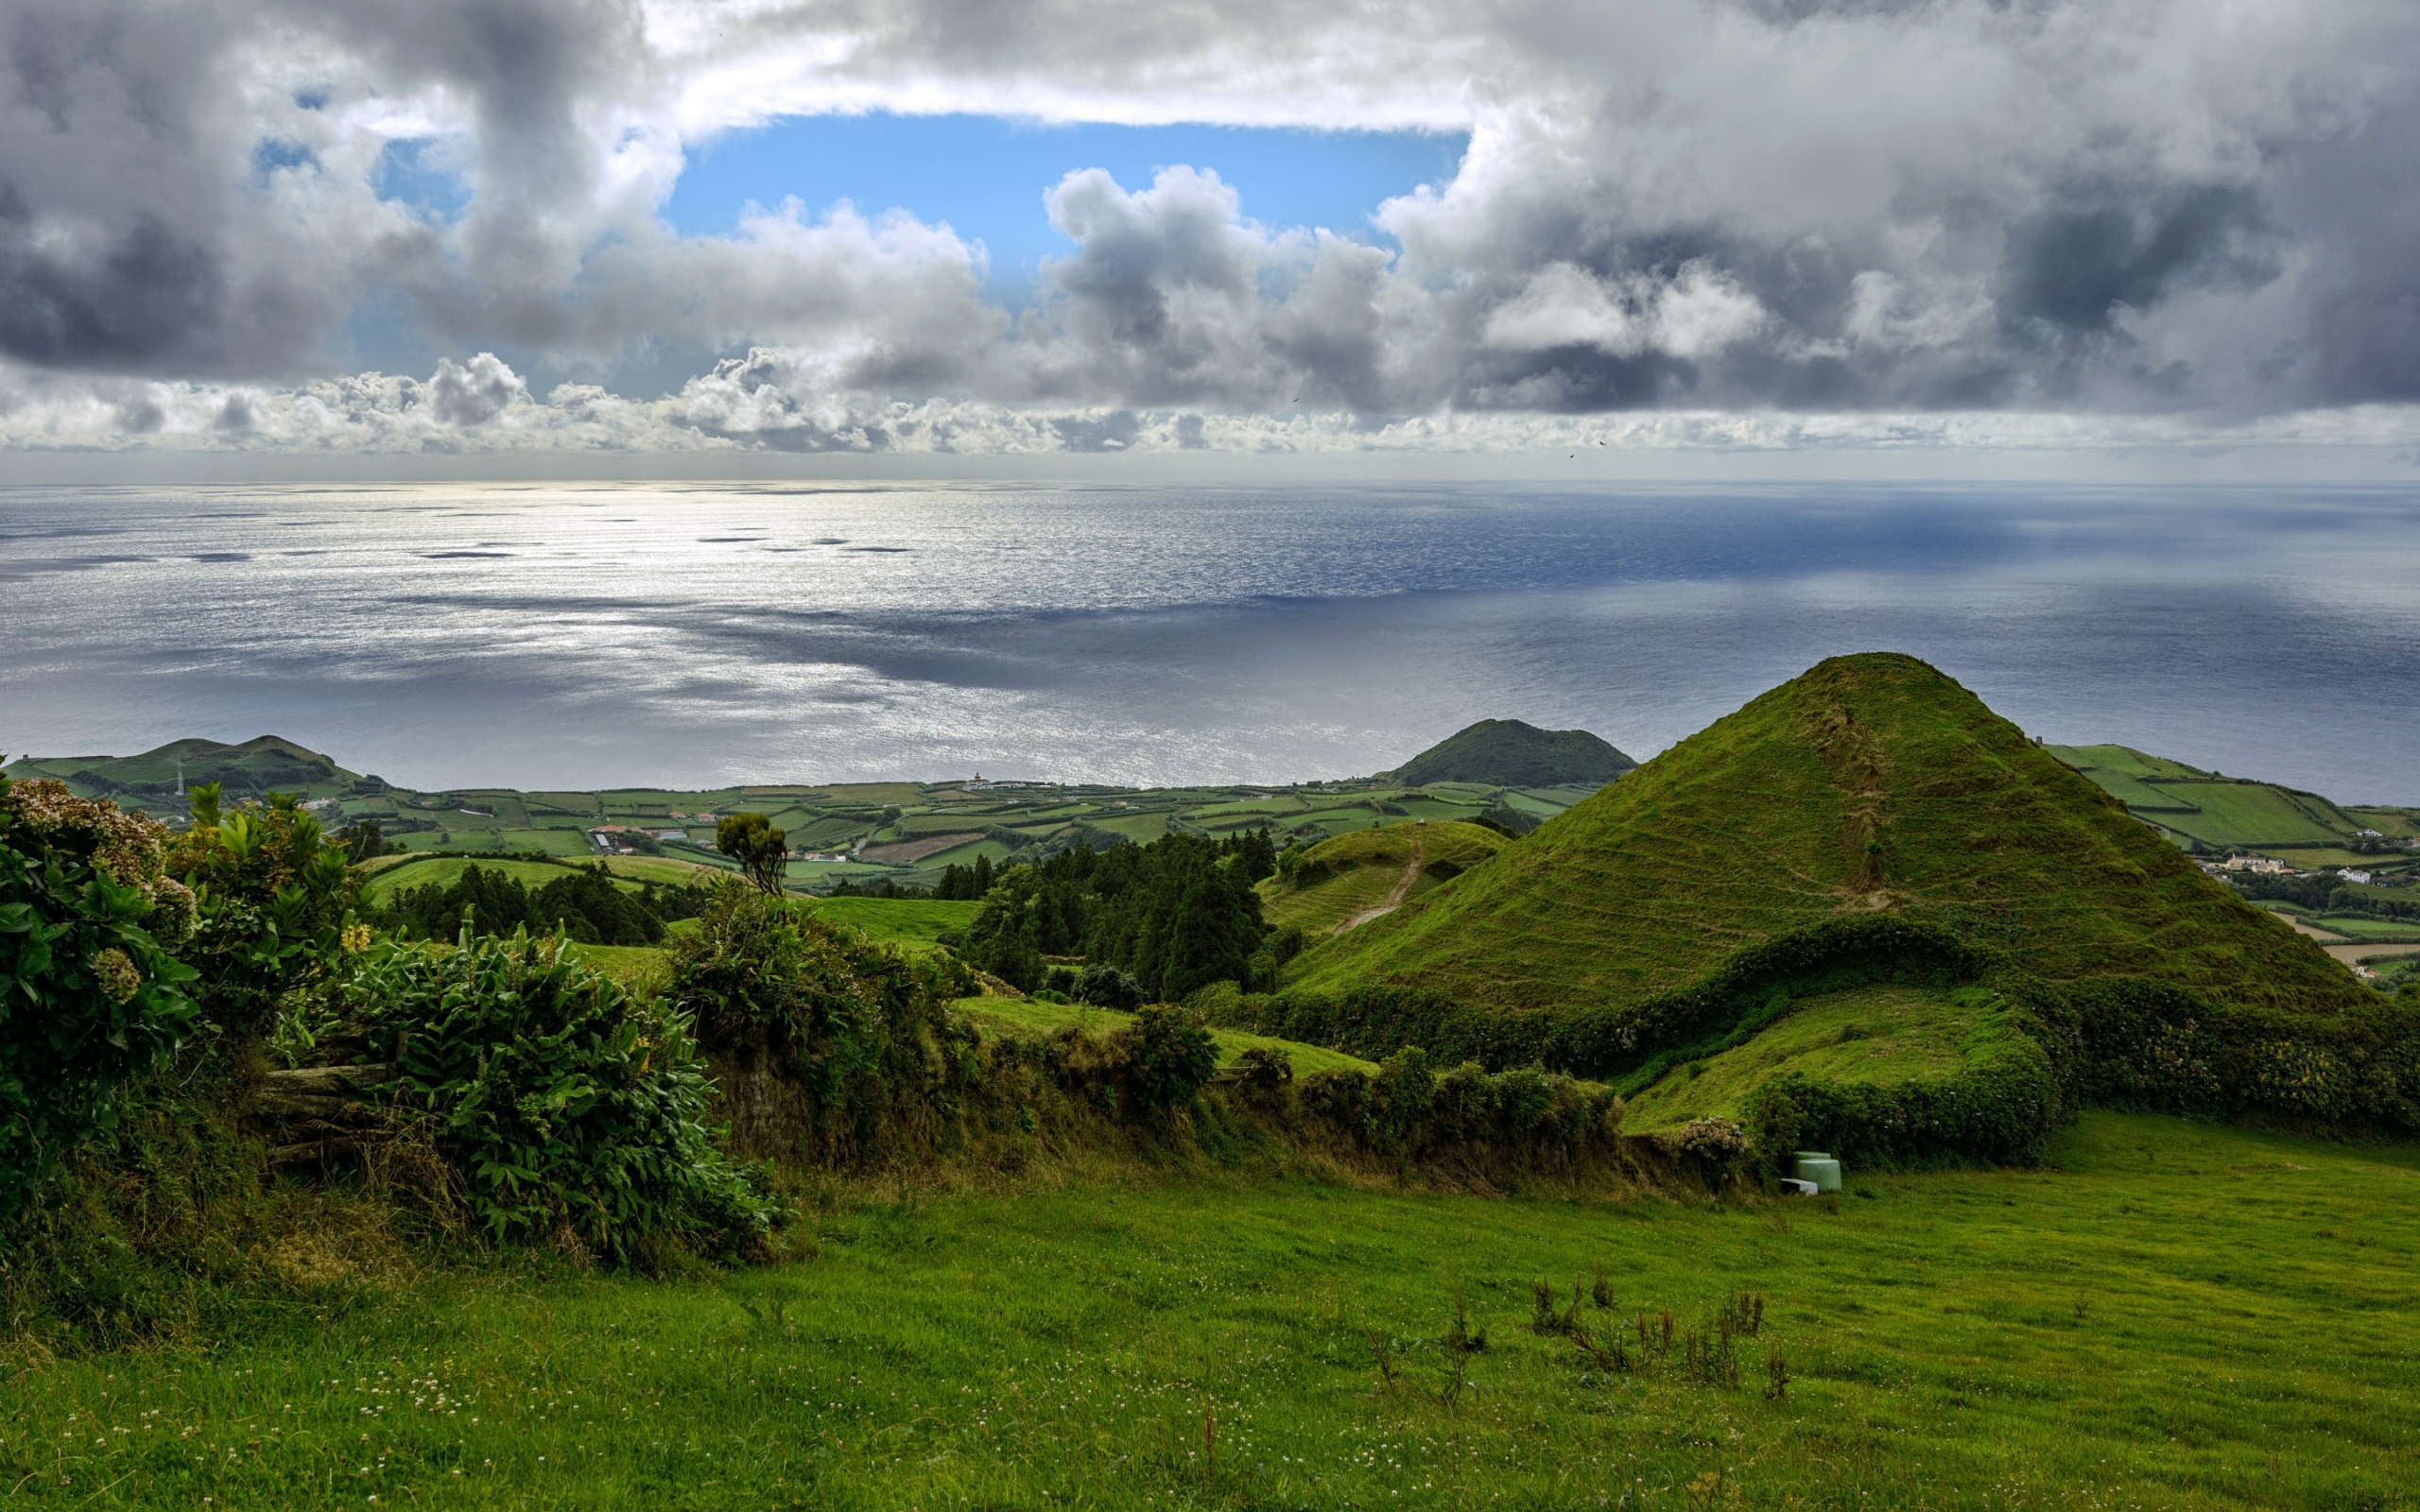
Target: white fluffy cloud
point(1775, 210)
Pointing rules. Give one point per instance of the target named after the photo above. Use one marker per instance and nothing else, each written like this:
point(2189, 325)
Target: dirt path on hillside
point(2323, 935)
point(2354, 955)
point(1394, 897)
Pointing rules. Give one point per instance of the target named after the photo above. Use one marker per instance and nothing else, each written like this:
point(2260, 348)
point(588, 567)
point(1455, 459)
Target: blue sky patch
point(986, 175)
point(413, 171)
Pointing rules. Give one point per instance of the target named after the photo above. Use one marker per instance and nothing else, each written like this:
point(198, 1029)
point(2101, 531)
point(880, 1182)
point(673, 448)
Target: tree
point(760, 850)
point(274, 895)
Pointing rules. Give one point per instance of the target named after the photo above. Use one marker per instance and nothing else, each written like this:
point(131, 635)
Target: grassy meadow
point(1873, 1033)
point(2170, 1316)
point(1027, 1018)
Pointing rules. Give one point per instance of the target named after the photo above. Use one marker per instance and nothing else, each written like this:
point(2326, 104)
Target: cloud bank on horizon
point(1678, 222)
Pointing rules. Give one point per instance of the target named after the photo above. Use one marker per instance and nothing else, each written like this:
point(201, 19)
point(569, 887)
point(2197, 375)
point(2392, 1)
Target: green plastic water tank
point(1816, 1166)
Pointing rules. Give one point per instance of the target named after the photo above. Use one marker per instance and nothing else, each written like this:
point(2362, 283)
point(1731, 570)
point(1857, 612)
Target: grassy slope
point(1761, 823)
point(1875, 1034)
point(1368, 864)
point(2174, 1316)
point(1020, 1017)
point(915, 923)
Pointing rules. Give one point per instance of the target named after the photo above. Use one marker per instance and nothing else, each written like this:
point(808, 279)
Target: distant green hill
point(262, 765)
point(1870, 785)
point(1509, 753)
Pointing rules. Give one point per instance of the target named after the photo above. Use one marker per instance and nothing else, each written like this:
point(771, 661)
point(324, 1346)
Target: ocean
point(693, 636)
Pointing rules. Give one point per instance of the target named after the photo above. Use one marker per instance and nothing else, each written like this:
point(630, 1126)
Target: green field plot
point(2398, 824)
point(2124, 761)
point(664, 871)
point(1024, 1017)
point(2368, 930)
point(2136, 794)
point(2248, 813)
point(1873, 1035)
point(963, 855)
point(442, 870)
point(624, 963)
point(910, 921)
point(1419, 806)
point(502, 809)
point(582, 806)
point(1142, 828)
point(2171, 1315)
point(1335, 821)
point(1546, 805)
point(555, 842)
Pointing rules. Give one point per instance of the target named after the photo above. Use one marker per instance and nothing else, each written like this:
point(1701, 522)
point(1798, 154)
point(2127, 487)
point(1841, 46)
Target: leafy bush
point(570, 1106)
point(1106, 987)
point(273, 896)
point(89, 995)
point(1168, 1057)
point(1716, 1148)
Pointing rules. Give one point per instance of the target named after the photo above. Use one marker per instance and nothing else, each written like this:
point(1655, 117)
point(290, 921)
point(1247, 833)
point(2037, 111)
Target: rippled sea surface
point(581, 637)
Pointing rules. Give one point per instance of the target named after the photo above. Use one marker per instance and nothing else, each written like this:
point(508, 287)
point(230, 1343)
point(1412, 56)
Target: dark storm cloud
point(2080, 264)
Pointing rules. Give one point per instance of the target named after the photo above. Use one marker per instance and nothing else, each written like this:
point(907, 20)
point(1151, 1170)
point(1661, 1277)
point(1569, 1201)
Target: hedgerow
point(828, 1046)
point(2153, 1047)
point(2002, 1108)
point(1608, 1042)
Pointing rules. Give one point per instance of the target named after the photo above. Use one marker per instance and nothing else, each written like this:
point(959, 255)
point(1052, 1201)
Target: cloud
point(1809, 208)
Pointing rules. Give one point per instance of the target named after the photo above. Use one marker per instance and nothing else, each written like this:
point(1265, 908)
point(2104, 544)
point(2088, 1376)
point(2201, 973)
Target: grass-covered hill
point(1510, 753)
point(1340, 883)
point(1870, 785)
point(257, 766)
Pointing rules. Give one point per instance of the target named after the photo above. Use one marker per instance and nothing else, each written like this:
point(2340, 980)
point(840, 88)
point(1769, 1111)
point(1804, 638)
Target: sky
point(705, 235)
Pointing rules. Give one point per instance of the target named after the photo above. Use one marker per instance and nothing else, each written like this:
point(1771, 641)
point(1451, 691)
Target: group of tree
point(2324, 893)
point(965, 884)
point(1174, 916)
point(587, 903)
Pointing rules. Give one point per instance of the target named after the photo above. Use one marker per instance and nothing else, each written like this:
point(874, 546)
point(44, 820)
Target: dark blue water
point(583, 637)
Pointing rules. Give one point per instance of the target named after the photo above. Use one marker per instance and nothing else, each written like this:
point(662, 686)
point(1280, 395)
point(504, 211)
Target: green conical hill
point(1510, 754)
point(1871, 784)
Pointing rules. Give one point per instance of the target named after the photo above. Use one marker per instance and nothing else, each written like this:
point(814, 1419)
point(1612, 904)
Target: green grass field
point(2352, 926)
point(2245, 815)
point(1875, 1034)
point(2136, 794)
point(915, 923)
point(1025, 1017)
point(2122, 761)
point(2172, 1316)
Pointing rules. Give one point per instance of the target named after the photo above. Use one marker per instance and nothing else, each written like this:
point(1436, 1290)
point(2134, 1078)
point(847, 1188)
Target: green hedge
point(2001, 1108)
point(2153, 1047)
point(1608, 1042)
